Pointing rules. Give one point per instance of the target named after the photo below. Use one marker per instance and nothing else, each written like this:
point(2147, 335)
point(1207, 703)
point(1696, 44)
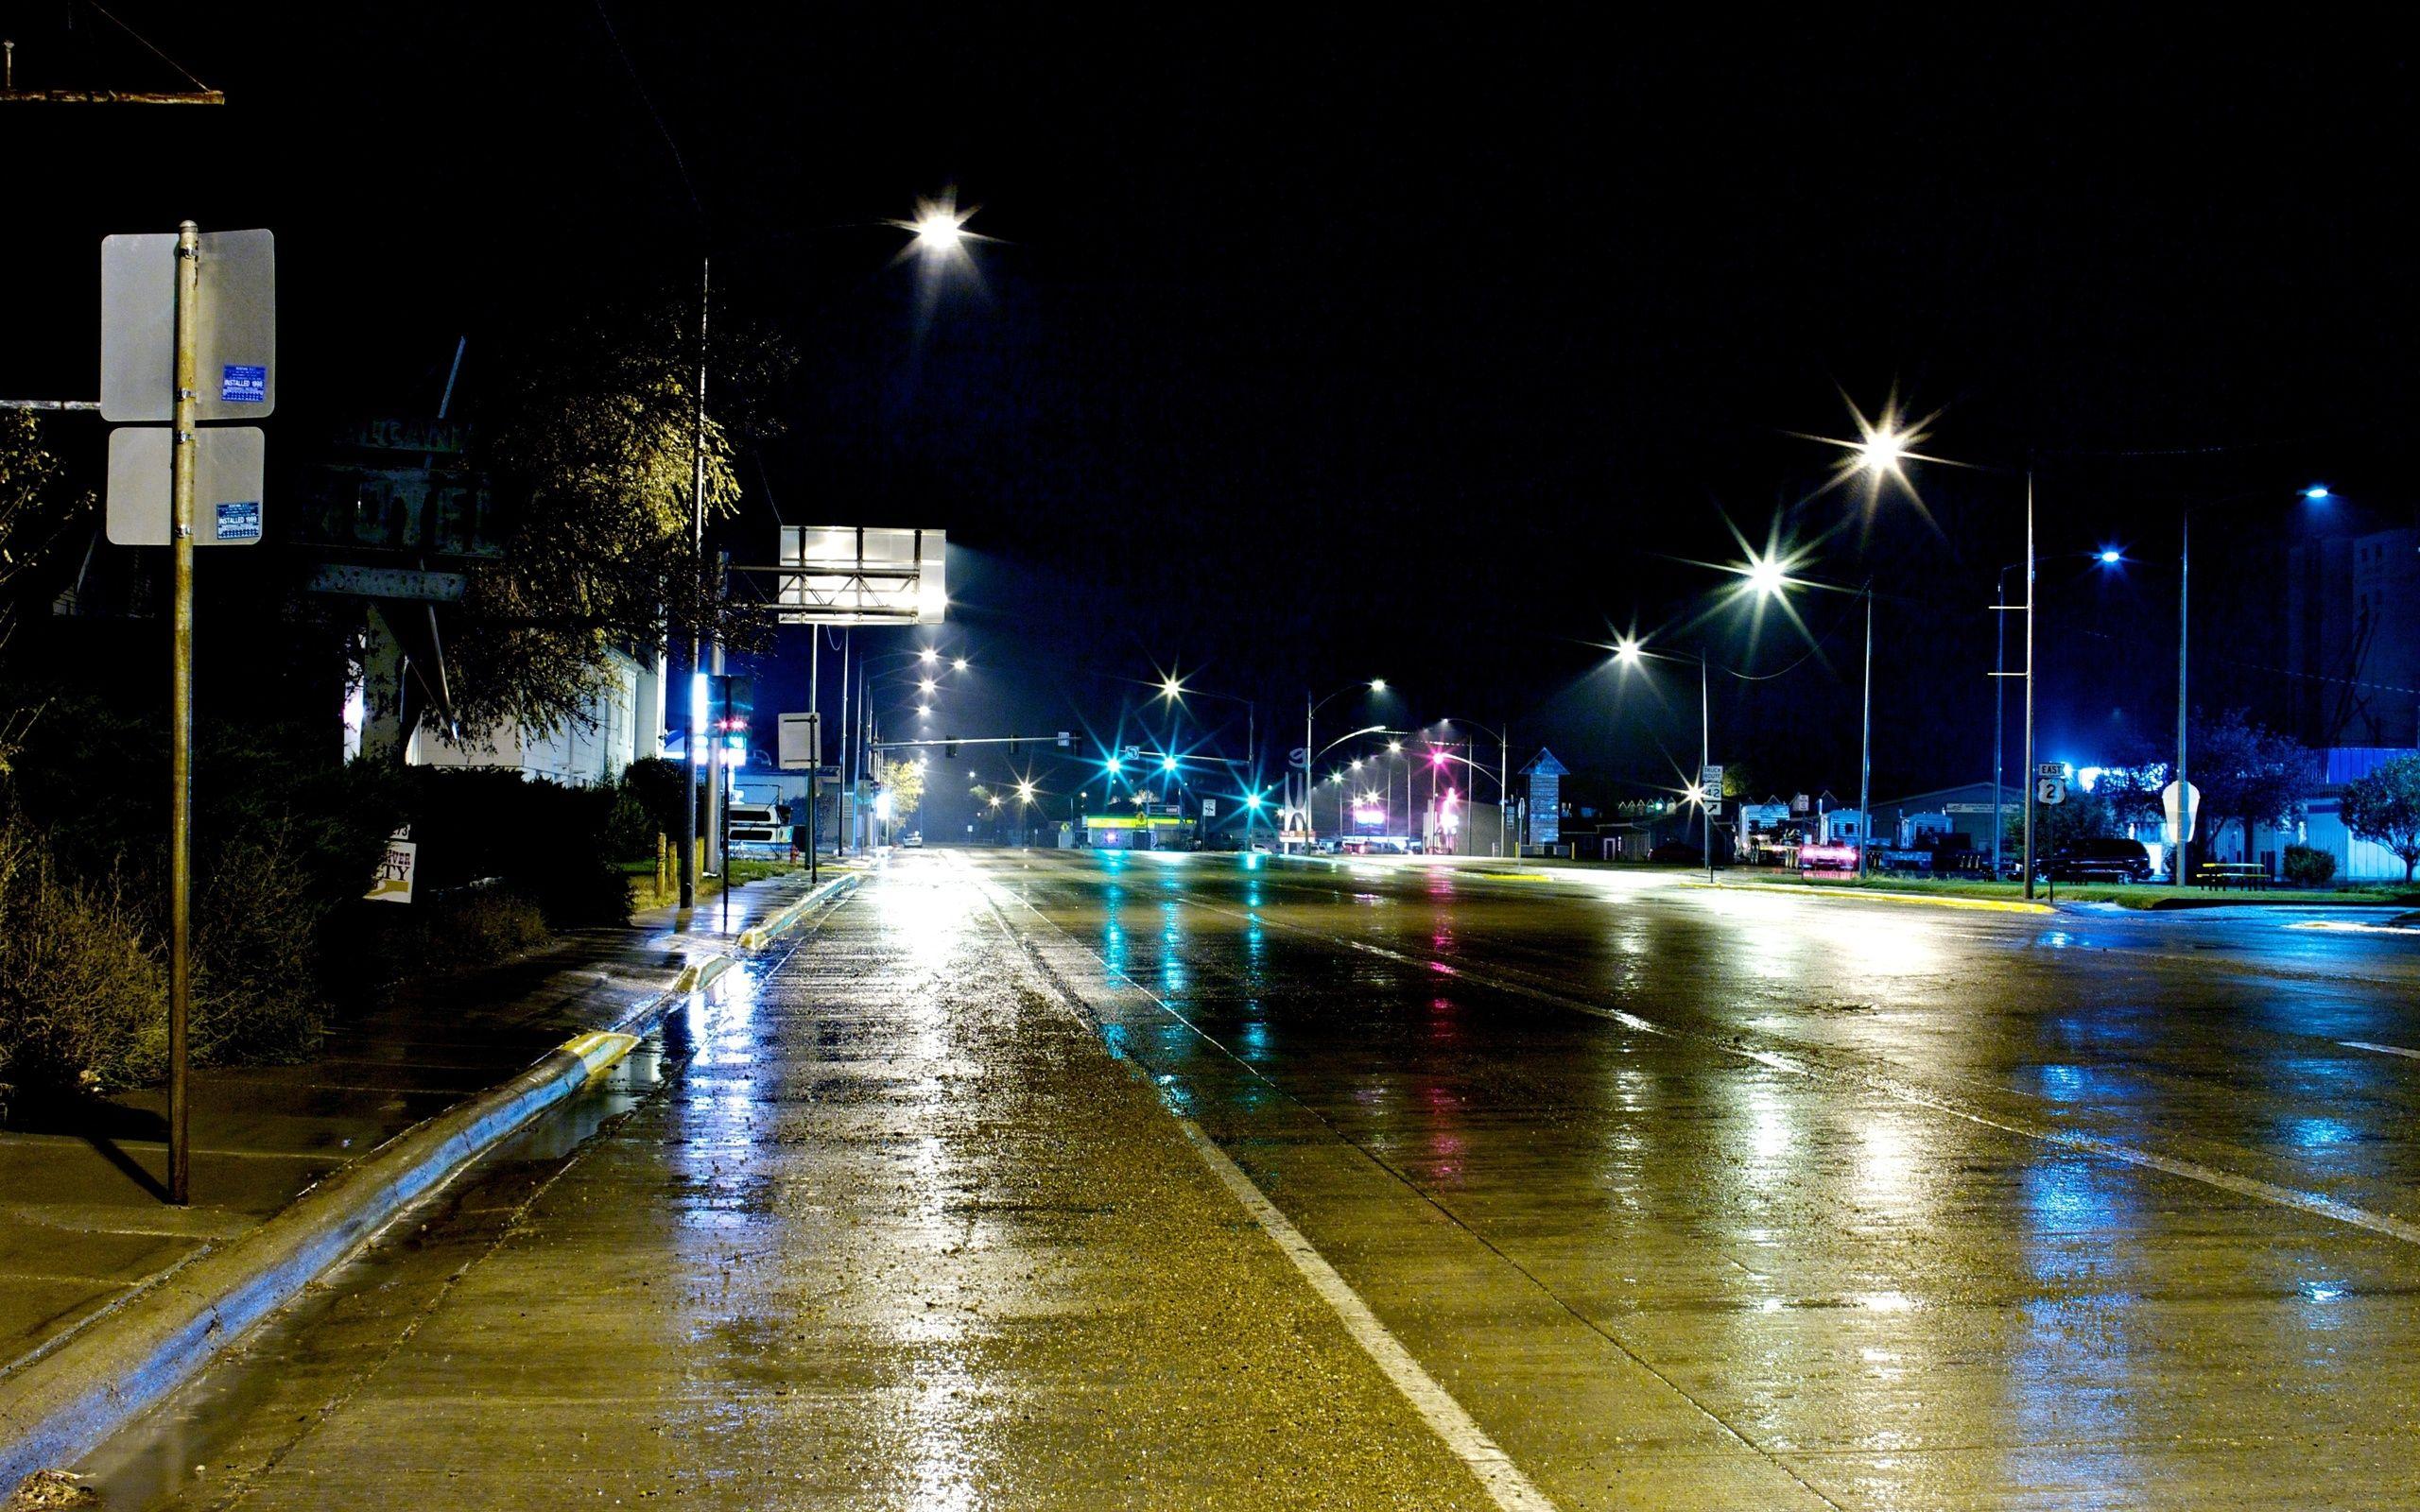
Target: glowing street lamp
point(1311, 745)
point(1628, 653)
point(928, 655)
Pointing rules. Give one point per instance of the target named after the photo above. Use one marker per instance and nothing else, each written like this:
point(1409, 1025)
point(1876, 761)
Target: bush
point(464, 930)
point(544, 841)
point(2309, 867)
point(257, 917)
point(656, 786)
point(83, 997)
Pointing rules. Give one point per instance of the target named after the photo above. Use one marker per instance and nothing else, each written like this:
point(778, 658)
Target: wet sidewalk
point(893, 1230)
point(83, 1219)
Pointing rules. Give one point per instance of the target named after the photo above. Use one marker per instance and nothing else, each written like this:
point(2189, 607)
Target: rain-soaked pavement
point(1687, 1198)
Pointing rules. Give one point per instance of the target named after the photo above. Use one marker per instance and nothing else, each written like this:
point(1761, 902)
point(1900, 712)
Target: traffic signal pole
point(180, 489)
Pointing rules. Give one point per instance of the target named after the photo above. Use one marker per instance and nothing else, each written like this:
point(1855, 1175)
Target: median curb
point(1988, 905)
point(67, 1398)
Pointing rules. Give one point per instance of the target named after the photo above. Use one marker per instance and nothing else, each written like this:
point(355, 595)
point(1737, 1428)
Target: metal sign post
point(181, 469)
point(159, 335)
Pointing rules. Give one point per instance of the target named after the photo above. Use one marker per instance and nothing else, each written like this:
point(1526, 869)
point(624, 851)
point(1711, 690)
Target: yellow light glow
point(940, 231)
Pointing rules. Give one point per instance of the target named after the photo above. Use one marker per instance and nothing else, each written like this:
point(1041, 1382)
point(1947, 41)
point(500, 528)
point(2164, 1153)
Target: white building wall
point(576, 754)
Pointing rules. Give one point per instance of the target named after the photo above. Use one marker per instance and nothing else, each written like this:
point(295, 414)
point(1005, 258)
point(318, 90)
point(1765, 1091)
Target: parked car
point(2102, 860)
point(913, 840)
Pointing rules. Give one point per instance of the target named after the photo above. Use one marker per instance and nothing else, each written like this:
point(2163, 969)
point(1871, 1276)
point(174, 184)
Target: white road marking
point(2383, 1049)
point(2355, 927)
point(1503, 1481)
point(2311, 1202)
point(1509, 1489)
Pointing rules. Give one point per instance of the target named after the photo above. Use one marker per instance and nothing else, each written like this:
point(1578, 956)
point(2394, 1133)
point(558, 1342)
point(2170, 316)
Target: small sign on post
point(1710, 780)
point(234, 352)
point(393, 883)
point(2050, 783)
point(228, 465)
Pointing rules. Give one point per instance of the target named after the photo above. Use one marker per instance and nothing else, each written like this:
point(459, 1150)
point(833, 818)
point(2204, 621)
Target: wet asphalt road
point(1690, 1198)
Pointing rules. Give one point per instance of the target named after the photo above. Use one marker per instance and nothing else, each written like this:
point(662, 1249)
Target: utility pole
point(1865, 746)
point(181, 488)
point(2183, 632)
point(2028, 682)
point(1706, 754)
point(1999, 712)
point(690, 732)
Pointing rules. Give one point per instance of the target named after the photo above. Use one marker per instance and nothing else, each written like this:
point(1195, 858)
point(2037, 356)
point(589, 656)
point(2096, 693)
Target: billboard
point(854, 575)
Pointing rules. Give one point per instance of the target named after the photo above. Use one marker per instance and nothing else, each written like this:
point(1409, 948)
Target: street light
point(1766, 577)
point(2316, 493)
point(1311, 747)
point(1503, 781)
point(1629, 652)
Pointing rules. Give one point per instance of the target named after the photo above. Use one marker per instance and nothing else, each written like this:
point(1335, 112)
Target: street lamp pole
point(1865, 744)
point(1706, 755)
point(2184, 634)
point(1311, 750)
point(1999, 713)
point(2028, 682)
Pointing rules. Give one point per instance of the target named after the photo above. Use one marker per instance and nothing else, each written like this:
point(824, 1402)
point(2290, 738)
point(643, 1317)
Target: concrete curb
point(56, 1406)
point(1989, 906)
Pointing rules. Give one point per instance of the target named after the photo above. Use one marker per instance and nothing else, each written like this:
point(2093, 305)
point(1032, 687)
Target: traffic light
point(1014, 744)
point(949, 748)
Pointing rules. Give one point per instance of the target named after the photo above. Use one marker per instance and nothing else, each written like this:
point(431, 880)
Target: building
point(1966, 811)
point(2323, 826)
point(1138, 832)
point(2353, 639)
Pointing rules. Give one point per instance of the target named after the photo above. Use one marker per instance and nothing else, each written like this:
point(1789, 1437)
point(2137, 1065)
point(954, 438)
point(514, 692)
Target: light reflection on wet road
point(1667, 1183)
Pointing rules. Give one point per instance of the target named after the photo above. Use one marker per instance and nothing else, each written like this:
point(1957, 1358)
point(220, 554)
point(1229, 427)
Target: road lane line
point(1509, 1489)
point(2352, 926)
point(2383, 1049)
point(1504, 1482)
point(1876, 1080)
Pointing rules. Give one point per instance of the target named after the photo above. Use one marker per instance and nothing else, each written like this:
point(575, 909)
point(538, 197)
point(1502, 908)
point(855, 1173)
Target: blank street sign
point(801, 739)
point(226, 486)
point(234, 326)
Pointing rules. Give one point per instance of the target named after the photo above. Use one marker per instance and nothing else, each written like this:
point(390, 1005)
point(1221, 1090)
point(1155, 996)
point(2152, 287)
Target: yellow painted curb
point(1988, 905)
point(694, 976)
point(759, 935)
point(602, 1049)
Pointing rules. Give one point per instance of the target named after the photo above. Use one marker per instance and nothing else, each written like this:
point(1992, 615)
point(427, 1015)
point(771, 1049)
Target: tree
point(2248, 773)
point(903, 781)
point(593, 444)
point(36, 509)
point(2058, 825)
point(2385, 807)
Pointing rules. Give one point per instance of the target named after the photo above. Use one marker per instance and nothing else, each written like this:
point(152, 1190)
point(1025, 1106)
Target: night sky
point(1318, 347)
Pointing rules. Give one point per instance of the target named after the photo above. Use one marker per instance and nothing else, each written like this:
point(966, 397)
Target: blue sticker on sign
point(238, 385)
point(240, 521)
